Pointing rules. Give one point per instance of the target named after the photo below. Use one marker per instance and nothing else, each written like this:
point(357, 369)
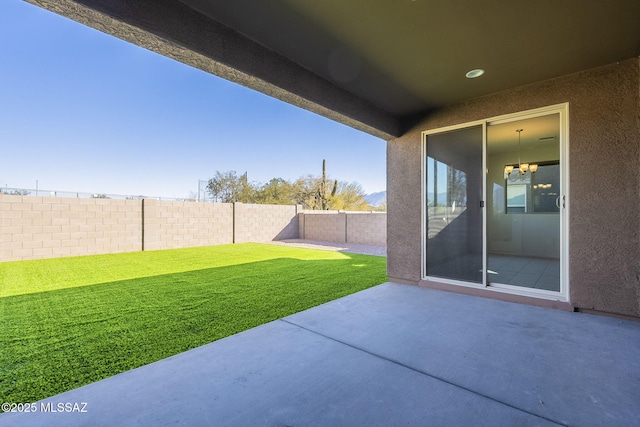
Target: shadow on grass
point(51, 342)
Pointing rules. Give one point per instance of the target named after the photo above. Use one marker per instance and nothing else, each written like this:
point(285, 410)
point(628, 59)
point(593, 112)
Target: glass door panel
point(454, 217)
point(523, 203)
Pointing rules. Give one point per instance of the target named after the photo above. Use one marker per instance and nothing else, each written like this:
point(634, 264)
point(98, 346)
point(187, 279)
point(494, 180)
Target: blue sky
point(84, 111)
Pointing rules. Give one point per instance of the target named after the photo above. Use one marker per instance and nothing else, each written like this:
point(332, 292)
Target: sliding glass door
point(453, 204)
point(523, 203)
point(495, 204)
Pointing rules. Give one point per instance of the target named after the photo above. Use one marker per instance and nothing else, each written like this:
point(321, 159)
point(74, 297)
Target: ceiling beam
point(172, 29)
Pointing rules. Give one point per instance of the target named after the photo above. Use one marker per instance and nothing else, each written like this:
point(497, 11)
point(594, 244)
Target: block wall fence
point(369, 228)
point(51, 227)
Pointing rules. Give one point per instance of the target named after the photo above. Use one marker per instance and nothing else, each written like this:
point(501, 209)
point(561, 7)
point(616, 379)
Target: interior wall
point(604, 139)
point(530, 234)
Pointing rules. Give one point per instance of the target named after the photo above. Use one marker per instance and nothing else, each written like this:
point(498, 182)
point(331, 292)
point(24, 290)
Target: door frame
point(563, 111)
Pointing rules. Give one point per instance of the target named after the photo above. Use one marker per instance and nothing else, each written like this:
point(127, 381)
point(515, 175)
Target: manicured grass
point(68, 322)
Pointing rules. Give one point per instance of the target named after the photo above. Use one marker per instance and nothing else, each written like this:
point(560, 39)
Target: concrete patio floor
point(390, 355)
point(358, 248)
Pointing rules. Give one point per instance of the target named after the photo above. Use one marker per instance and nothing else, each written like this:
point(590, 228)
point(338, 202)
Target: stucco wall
point(604, 153)
point(404, 208)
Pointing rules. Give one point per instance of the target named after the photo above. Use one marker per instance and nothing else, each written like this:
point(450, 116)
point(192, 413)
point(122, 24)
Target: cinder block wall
point(170, 225)
point(49, 227)
point(353, 227)
point(264, 223)
point(324, 225)
point(367, 228)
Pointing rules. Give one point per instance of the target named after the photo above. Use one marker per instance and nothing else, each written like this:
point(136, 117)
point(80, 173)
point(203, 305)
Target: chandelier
point(522, 167)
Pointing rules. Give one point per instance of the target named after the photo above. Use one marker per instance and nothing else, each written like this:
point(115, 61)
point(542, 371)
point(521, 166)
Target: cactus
point(322, 190)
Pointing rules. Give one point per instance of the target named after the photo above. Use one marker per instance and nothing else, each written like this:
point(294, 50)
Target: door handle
point(558, 202)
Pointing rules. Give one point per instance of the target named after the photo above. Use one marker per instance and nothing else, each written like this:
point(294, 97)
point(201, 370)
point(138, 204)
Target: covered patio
point(397, 354)
point(390, 355)
point(422, 75)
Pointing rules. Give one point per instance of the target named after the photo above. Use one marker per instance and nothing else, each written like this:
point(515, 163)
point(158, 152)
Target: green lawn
point(68, 322)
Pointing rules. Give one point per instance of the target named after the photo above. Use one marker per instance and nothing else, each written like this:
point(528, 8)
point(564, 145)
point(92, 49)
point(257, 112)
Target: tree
point(457, 187)
point(215, 187)
point(305, 192)
point(247, 193)
point(15, 192)
point(382, 207)
point(312, 192)
point(350, 197)
point(228, 187)
point(276, 192)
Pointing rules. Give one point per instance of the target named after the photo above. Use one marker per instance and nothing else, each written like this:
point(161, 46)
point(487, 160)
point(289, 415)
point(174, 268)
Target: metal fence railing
point(84, 195)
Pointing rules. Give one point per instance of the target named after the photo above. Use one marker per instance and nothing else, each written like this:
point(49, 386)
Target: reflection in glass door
point(523, 203)
point(454, 217)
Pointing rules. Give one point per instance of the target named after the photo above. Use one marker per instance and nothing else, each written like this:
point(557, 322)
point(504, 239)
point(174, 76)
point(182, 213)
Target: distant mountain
point(376, 199)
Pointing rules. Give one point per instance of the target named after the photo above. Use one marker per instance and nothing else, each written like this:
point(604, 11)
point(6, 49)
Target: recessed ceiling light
point(475, 73)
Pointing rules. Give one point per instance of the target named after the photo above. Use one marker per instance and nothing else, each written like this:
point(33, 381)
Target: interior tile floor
point(530, 272)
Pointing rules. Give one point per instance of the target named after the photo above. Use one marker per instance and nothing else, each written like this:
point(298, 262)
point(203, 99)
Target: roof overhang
point(374, 65)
